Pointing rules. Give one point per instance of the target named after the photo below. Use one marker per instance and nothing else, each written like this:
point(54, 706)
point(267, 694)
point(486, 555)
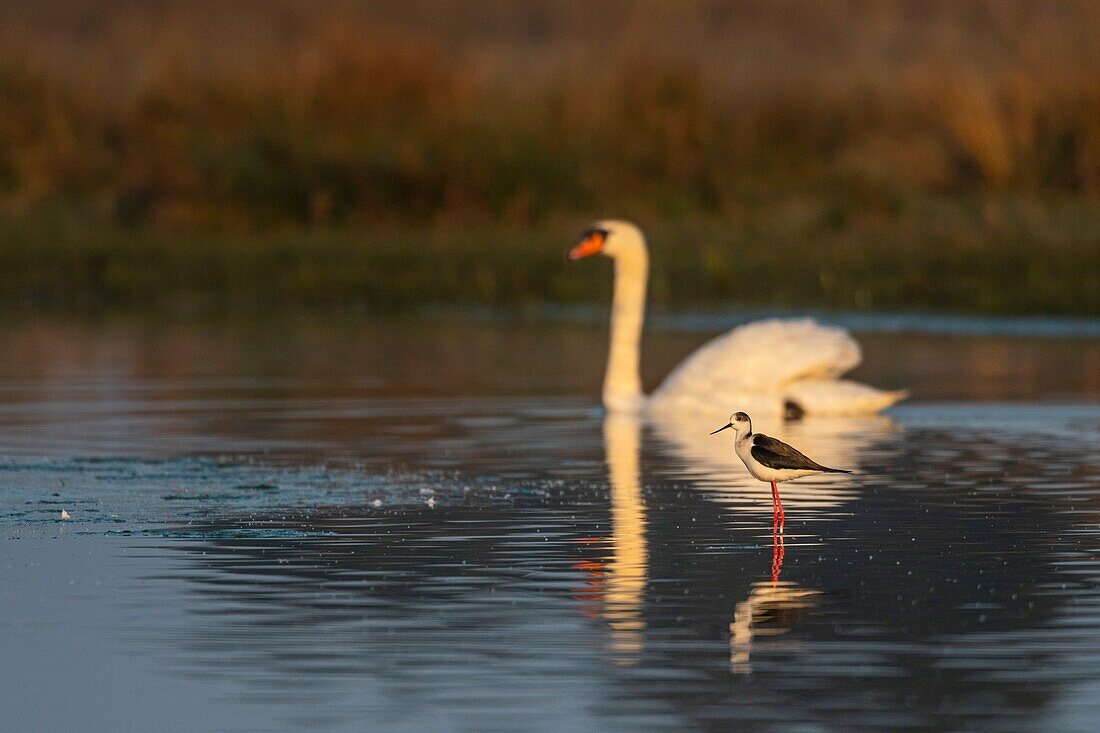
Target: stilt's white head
point(740, 423)
point(612, 238)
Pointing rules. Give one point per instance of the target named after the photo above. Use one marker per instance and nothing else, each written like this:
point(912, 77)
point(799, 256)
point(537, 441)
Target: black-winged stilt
point(770, 460)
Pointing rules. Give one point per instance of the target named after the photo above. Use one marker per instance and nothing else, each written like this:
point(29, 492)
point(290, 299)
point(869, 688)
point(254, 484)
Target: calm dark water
point(423, 525)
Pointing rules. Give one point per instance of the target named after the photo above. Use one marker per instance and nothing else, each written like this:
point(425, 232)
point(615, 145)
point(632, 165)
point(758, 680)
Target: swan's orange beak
point(590, 245)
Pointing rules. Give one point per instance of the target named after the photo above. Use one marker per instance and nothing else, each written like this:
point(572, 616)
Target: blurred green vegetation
point(940, 255)
point(905, 155)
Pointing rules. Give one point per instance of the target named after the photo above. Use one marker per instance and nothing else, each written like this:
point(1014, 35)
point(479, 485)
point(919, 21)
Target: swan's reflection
point(627, 567)
point(772, 605)
point(768, 609)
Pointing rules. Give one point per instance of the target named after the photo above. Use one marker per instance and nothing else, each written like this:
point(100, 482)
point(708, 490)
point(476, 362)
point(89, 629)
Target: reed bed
point(904, 154)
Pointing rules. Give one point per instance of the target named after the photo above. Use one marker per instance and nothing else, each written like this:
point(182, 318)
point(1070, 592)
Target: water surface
point(430, 524)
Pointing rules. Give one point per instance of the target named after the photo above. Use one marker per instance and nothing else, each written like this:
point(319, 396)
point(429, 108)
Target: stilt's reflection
point(767, 610)
point(627, 567)
point(777, 551)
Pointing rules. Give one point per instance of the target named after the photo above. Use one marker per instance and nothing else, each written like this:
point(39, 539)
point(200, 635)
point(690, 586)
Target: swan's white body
point(759, 367)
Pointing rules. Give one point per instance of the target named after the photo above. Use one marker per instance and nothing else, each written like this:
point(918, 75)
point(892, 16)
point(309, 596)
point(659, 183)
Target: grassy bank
point(941, 255)
point(386, 153)
point(200, 116)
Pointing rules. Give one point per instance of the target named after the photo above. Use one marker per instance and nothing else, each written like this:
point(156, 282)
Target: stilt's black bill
point(727, 425)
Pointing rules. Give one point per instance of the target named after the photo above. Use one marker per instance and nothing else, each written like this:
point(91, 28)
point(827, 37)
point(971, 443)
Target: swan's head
point(611, 238)
point(740, 423)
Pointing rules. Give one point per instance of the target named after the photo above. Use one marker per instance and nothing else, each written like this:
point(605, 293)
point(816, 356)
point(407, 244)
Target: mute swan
point(768, 366)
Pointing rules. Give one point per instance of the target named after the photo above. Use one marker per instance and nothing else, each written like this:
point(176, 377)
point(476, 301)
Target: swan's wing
point(764, 356)
point(840, 397)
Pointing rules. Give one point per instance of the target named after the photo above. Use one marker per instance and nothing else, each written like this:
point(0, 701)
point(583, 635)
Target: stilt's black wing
point(778, 455)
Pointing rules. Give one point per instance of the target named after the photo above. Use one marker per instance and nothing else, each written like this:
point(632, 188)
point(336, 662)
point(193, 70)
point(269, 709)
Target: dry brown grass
point(202, 116)
point(208, 114)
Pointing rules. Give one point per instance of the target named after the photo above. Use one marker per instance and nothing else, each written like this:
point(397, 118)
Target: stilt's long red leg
point(777, 505)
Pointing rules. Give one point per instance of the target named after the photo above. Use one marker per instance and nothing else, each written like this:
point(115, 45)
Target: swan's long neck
point(622, 386)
